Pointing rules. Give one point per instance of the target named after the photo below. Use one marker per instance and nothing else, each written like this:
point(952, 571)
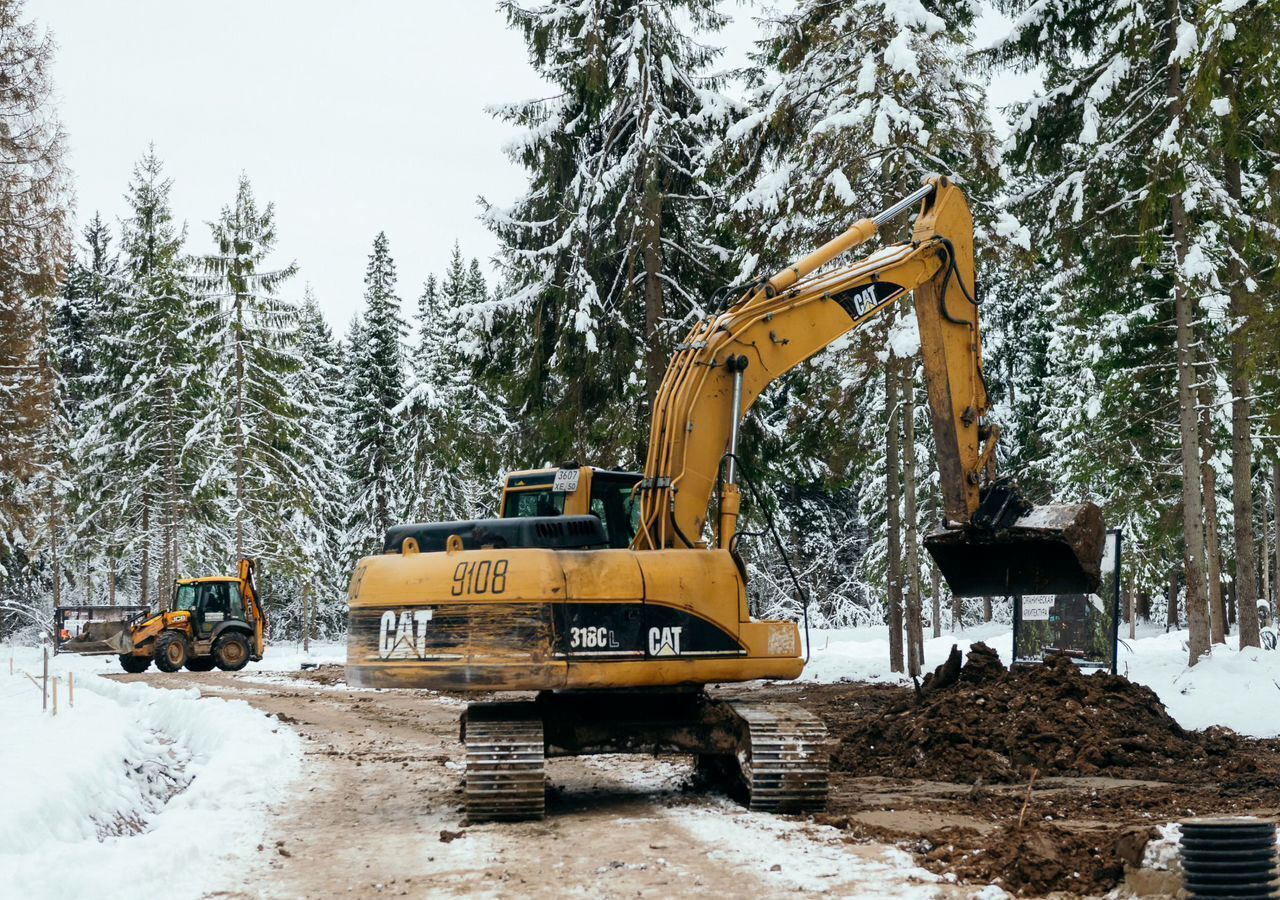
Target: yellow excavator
point(212, 621)
point(611, 595)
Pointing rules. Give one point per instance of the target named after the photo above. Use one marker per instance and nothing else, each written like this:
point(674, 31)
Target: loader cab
point(211, 601)
point(577, 491)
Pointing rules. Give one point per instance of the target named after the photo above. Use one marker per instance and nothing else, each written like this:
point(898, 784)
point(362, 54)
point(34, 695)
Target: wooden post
point(44, 682)
point(71, 689)
point(55, 695)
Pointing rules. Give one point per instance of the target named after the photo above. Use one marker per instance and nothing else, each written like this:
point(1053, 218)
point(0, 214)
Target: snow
point(97, 794)
point(794, 855)
point(1233, 688)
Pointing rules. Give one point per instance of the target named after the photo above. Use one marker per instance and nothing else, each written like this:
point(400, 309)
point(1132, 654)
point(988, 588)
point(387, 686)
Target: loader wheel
point(200, 664)
point(231, 652)
point(135, 665)
point(172, 651)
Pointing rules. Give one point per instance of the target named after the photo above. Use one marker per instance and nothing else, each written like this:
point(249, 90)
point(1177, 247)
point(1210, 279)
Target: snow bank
point(1236, 689)
point(99, 798)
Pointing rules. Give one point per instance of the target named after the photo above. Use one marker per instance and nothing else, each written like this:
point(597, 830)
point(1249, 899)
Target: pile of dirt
point(1035, 859)
point(982, 723)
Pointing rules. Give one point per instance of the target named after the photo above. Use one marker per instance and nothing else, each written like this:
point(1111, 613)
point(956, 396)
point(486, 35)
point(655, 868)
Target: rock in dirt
point(996, 725)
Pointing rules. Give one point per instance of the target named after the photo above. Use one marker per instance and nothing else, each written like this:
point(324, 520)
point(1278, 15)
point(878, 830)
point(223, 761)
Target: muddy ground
point(377, 812)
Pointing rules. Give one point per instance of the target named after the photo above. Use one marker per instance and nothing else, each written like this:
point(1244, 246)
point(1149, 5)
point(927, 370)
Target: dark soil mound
point(1035, 859)
point(989, 724)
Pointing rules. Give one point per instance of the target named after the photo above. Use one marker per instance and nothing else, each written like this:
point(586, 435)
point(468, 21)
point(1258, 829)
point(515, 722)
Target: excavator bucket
point(112, 636)
point(1045, 550)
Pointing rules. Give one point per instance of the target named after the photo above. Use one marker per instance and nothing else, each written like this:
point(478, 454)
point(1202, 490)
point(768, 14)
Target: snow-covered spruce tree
point(164, 413)
point(452, 427)
point(611, 250)
point(314, 519)
point(851, 105)
point(375, 378)
point(1114, 159)
point(34, 245)
point(254, 331)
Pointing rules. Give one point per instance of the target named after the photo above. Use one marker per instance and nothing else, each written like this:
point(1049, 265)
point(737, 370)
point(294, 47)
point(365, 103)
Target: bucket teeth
point(505, 775)
point(785, 758)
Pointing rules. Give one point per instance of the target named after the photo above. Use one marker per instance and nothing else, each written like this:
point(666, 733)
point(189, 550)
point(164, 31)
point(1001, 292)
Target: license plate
point(566, 481)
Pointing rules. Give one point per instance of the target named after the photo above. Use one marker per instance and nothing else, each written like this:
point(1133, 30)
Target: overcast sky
point(351, 117)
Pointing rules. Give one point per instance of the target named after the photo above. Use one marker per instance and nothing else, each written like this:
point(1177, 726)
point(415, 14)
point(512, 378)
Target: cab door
point(213, 607)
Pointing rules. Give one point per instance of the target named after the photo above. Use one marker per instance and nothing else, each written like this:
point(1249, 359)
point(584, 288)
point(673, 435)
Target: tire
point(231, 651)
point(200, 664)
point(172, 651)
point(135, 665)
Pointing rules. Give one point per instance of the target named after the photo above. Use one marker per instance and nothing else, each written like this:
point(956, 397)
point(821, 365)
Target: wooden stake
point(55, 695)
point(1027, 802)
point(71, 689)
point(44, 690)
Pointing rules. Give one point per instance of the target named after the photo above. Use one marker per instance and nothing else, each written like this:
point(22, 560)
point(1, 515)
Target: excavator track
point(785, 757)
point(506, 762)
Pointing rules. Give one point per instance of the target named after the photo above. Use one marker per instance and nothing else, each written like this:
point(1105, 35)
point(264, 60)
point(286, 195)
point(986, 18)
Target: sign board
point(1083, 626)
point(1036, 608)
point(566, 481)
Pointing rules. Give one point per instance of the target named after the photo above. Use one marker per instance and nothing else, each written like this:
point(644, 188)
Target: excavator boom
point(730, 358)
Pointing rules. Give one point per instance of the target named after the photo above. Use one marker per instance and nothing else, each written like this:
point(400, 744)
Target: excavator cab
point(574, 490)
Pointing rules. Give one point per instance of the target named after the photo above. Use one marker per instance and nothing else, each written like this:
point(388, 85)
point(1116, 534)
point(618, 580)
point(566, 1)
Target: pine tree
point(254, 333)
point(316, 511)
point(452, 426)
point(34, 245)
point(612, 248)
point(375, 386)
point(165, 414)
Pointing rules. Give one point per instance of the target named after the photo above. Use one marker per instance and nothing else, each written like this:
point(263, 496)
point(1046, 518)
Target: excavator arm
point(729, 358)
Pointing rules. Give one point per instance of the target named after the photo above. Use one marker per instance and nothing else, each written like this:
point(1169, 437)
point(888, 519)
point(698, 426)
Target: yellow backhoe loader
point(607, 593)
point(214, 621)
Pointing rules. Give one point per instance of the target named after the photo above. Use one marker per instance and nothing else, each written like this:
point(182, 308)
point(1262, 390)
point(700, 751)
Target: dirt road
point(377, 812)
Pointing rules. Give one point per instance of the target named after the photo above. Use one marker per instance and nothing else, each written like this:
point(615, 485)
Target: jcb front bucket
point(101, 637)
point(1049, 550)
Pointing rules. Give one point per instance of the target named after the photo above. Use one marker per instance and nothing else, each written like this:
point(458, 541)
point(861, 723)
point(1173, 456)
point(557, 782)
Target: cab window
point(613, 503)
point(523, 504)
point(186, 598)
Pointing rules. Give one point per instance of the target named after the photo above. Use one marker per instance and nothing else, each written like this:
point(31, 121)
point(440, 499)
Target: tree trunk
point(56, 564)
point(915, 623)
point(146, 551)
point(1131, 608)
point(986, 609)
point(957, 613)
point(1171, 620)
point(1275, 538)
point(1209, 483)
point(655, 359)
point(894, 523)
point(1193, 554)
point(1266, 546)
point(111, 583)
point(240, 426)
point(1245, 586)
point(935, 577)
